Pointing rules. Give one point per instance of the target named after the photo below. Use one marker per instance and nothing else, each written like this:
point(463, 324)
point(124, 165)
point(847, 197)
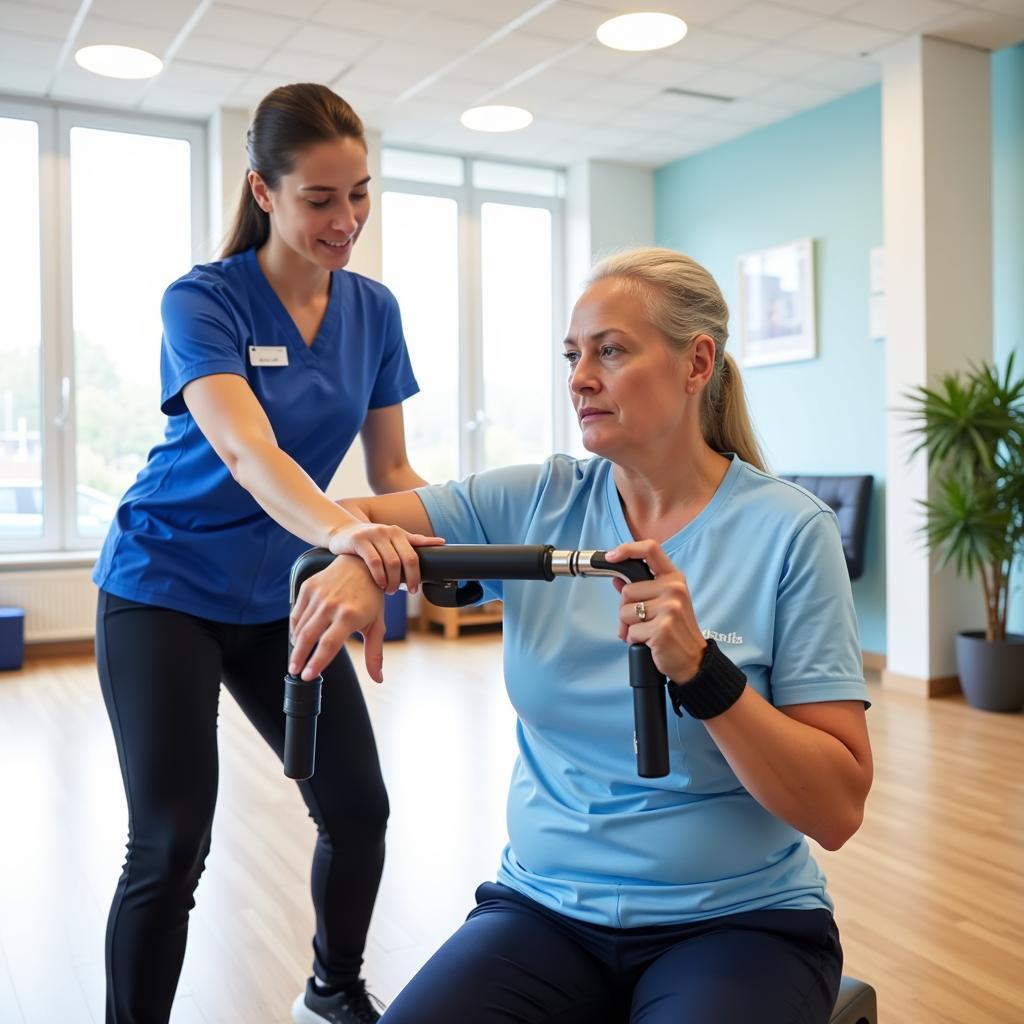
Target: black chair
point(857, 1003)
point(849, 497)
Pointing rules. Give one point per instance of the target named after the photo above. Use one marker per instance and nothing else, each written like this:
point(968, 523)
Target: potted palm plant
point(972, 428)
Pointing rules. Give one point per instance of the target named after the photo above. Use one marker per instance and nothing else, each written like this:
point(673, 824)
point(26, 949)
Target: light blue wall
point(1008, 234)
point(818, 174)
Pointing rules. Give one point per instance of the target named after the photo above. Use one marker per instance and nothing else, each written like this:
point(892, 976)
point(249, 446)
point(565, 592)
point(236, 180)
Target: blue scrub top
point(588, 837)
point(187, 536)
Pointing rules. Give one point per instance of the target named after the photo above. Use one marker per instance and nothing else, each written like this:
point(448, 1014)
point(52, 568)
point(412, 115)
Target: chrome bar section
point(581, 563)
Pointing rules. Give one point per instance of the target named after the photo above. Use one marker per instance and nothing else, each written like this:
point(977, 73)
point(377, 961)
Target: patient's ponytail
point(683, 302)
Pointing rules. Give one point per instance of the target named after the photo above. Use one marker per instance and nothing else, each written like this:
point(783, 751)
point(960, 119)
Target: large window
point(104, 211)
point(473, 251)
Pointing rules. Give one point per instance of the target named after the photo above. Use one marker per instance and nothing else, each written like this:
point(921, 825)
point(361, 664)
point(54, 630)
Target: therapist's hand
point(332, 605)
point(388, 551)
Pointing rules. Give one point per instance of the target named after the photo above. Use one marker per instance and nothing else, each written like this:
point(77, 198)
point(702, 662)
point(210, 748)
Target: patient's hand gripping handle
point(443, 570)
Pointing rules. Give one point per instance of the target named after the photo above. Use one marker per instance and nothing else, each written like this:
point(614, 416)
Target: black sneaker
point(350, 1005)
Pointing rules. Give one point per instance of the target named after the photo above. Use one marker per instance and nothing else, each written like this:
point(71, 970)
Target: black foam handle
point(649, 714)
point(301, 708)
point(486, 562)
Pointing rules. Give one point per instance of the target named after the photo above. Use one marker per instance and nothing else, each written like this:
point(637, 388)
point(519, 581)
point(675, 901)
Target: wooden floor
point(930, 895)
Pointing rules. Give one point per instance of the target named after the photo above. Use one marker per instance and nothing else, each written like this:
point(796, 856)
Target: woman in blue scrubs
point(274, 358)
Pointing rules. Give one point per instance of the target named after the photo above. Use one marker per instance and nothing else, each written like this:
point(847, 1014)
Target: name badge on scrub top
point(268, 355)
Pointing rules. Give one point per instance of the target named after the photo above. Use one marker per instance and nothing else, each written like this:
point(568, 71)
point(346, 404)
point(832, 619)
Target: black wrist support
point(714, 689)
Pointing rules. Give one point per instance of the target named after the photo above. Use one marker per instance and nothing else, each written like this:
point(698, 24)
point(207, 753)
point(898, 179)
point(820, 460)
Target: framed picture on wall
point(776, 304)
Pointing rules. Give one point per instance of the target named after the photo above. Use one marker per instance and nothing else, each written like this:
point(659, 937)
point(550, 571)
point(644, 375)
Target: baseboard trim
point(939, 686)
point(59, 649)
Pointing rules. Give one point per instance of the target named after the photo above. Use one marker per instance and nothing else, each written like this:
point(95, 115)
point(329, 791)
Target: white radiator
point(60, 604)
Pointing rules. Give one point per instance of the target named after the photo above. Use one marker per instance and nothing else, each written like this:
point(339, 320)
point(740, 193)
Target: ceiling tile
point(451, 90)
point(445, 34)
point(578, 111)
point(754, 113)
point(734, 82)
point(253, 89)
point(216, 82)
point(843, 37)
point(342, 47)
point(487, 73)
point(799, 94)
point(178, 102)
point(682, 106)
point(32, 51)
point(491, 12)
point(783, 60)
point(826, 7)
point(553, 84)
point(295, 8)
point(988, 30)
point(304, 67)
point(595, 59)
point(35, 21)
point(766, 21)
point(906, 16)
point(644, 119)
point(714, 47)
point(393, 80)
point(662, 71)
point(254, 28)
point(166, 14)
point(847, 75)
point(372, 18)
point(615, 94)
point(24, 78)
point(572, 22)
point(524, 49)
point(104, 30)
point(693, 12)
point(365, 101)
point(209, 50)
point(406, 56)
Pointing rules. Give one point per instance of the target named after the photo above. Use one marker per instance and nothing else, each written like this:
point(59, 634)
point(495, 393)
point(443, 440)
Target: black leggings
point(160, 672)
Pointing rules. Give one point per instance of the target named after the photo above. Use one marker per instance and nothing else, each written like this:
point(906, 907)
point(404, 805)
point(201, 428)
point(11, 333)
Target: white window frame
point(57, 419)
point(469, 200)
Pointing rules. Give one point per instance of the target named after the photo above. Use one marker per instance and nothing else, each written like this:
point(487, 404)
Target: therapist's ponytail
point(683, 301)
point(287, 120)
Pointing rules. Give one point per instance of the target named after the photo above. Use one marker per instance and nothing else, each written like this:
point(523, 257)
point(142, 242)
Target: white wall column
point(936, 165)
point(608, 207)
point(228, 164)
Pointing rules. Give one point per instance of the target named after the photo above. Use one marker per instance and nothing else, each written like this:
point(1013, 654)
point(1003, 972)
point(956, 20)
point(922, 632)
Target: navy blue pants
point(516, 962)
point(161, 673)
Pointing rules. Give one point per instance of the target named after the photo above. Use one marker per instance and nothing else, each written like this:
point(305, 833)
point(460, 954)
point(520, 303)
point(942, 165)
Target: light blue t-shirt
point(186, 535)
point(588, 837)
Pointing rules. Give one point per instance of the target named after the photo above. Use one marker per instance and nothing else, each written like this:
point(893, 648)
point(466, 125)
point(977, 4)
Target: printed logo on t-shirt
point(722, 638)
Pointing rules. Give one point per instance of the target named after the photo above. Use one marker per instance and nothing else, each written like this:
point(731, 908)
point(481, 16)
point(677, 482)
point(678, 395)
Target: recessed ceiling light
point(496, 118)
point(119, 61)
point(645, 31)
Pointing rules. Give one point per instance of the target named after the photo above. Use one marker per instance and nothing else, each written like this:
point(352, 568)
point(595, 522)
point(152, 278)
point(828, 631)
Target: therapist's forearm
point(283, 489)
point(801, 774)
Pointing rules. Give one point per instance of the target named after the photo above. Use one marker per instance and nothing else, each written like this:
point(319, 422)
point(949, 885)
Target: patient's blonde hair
point(683, 301)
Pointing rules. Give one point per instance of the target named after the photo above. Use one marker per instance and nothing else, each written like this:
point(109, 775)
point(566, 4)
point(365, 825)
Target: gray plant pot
point(991, 672)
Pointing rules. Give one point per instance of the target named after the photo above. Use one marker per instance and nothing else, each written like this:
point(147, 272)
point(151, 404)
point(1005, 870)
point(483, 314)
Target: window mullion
point(472, 383)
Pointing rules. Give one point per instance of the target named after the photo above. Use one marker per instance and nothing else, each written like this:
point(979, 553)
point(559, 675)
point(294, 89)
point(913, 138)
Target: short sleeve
point(395, 380)
point(487, 508)
point(200, 338)
point(816, 648)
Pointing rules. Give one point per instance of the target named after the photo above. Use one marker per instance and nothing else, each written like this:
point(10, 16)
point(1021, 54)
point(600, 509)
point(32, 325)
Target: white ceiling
point(409, 67)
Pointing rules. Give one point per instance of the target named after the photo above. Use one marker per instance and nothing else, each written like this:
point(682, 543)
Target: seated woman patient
point(694, 897)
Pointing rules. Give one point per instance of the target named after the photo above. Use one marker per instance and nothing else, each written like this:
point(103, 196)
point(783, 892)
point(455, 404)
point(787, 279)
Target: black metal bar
point(454, 563)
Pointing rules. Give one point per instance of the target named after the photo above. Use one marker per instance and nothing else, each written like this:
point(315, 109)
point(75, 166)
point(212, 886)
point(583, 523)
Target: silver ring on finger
point(641, 611)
